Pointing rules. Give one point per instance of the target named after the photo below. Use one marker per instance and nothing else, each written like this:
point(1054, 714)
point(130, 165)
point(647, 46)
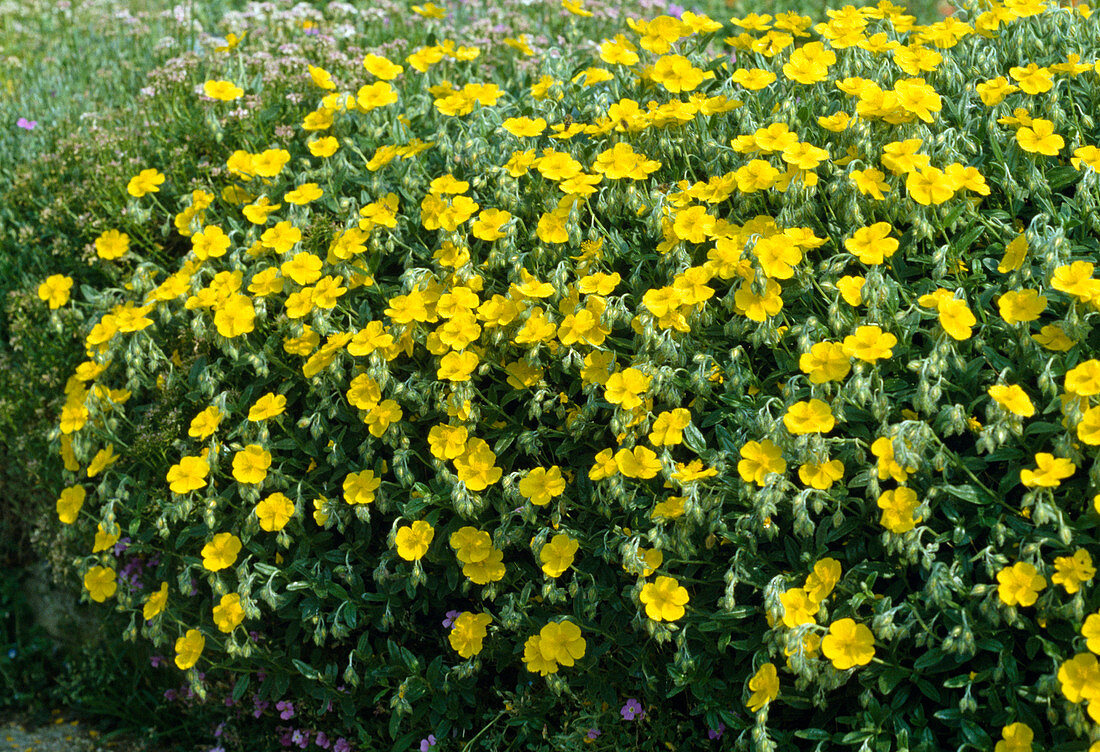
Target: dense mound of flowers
point(747, 369)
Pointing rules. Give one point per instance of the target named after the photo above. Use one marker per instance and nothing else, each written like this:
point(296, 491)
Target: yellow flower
point(1019, 584)
point(69, 504)
point(228, 614)
point(821, 581)
point(274, 512)
point(534, 660)
point(476, 467)
point(189, 648)
point(851, 289)
point(103, 539)
point(189, 474)
point(155, 603)
point(468, 632)
point(1088, 430)
point(146, 181)
point(872, 244)
point(798, 607)
point(1015, 737)
point(1021, 305)
point(929, 185)
point(205, 423)
point(1080, 678)
point(826, 361)
point(1054, 338)
point(235, 316)
point(869, 344)
point(1040, 138)
point(760, 459)
point(380, 67)
point(821, 475)
point(1073, 571)
point(413, 541)
point(1012, 398)
point(669, 426)
point(1091, 632)
point(561, 642)
point(898, 506)
point(55, 290)
point(221, 551)
point(304, 194)
point(1084, 380)
point(871, 182)
point(112, 244)
point(525, 127)
point(557, 555)
point(101, 583)
point(848, 644)
point(765, 687)
point(639, 462)
point(956, 318)
point(325, 146)
point(359, 487)
point(541, 485)
point(270, 162)
point(1015, 252)
point(814, 416)
point(1050, 471)
point(269, 405)
point(625, 387)
point(250, 464)
point(489, 569)
point(224, 91)
point(664, 599)
point(669, 509)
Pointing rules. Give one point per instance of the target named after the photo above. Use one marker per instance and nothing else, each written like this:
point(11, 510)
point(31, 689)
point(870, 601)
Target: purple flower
point(286, 709)
point(716, 733)
point(676, 10)
point(121, 546)
point(451, 616)
point(632, 710)
point(27, 125)
point(322, 740)
point(341, 745)
point(260, 706)
point(426, 744)
point(593, 733)
point(156, 660)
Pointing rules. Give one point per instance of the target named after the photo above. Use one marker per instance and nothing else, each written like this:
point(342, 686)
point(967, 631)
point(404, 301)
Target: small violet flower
point(451, 616)
point(27, 125)
point(593, 733)
point(632, 710)
point(426, 744)
point(716, 733)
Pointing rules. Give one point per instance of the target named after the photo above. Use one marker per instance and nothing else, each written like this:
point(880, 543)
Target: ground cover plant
point(695, 382)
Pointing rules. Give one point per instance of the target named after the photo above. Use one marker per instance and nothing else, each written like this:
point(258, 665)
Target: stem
point(466, 748)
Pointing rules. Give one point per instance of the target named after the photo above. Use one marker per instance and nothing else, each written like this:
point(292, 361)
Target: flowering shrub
point(618, 396)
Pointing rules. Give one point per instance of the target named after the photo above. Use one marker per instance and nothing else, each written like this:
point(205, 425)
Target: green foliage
point(713, 256)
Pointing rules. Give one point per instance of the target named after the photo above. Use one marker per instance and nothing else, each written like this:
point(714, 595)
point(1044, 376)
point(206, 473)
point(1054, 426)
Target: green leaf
point(929, 659)
point(240, 687)
point(966, 493)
